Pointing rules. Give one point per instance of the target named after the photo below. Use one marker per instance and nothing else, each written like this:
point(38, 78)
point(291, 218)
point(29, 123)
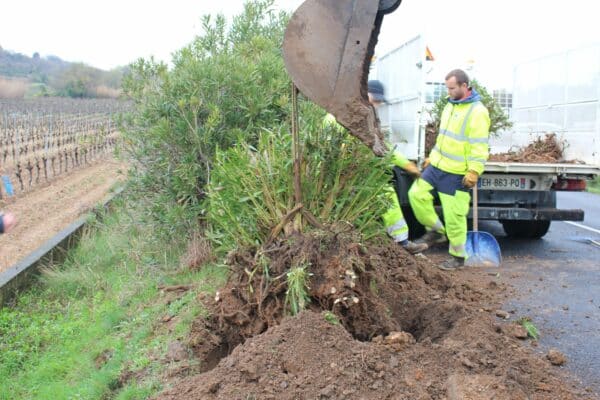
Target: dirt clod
point(556, 357)
point(516, 331)
point(176, 351)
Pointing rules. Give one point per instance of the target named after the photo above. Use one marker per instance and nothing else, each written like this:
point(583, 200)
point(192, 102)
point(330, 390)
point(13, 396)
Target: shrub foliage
point(210, 137)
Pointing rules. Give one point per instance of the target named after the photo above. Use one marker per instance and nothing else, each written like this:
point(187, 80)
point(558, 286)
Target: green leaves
point(224, 88)
point(251, 187)
point(216, 127)
point(296, 296)
point(531, 329)
point(331, 318)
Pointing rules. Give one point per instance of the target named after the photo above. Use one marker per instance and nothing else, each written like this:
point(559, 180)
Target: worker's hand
point(425, 163)
point(412, 169)
point(470, 179)
point(9, 221)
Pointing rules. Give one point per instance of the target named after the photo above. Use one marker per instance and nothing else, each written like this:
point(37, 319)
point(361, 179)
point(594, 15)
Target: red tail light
point(569, 184)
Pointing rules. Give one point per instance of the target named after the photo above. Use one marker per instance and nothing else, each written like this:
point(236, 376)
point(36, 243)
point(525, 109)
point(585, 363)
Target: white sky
point(496, 35)
point(109, 33)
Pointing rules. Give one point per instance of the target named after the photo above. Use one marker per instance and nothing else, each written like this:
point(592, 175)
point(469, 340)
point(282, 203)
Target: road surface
point(558, 285)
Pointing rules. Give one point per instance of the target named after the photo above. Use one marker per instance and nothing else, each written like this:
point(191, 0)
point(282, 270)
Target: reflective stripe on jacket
point(462, 143)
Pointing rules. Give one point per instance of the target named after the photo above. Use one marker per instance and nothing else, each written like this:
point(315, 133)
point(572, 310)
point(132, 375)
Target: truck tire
point(388, 6)
point(532, 229)
point(526, 229)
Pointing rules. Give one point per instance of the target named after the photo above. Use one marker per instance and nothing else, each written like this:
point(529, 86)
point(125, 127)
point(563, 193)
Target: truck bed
point(563, 170)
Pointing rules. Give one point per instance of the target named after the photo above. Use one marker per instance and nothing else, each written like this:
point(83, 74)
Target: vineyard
point(44, 138)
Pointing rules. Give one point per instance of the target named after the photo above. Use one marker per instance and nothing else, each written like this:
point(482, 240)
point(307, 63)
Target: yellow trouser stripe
point(393, 219)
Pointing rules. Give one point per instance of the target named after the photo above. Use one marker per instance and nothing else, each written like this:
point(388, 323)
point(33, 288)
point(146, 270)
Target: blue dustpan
point(482, 248)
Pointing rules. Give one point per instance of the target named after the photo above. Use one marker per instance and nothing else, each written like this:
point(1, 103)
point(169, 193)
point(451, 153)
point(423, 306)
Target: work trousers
point(393, 219)
point(454, 198)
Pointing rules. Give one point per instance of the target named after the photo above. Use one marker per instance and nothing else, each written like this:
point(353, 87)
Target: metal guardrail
point(17, 278)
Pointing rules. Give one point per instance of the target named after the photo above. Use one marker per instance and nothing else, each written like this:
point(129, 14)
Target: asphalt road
point(558, 285)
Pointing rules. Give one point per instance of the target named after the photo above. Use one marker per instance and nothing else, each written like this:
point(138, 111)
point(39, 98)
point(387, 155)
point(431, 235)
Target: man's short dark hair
point(460, 75)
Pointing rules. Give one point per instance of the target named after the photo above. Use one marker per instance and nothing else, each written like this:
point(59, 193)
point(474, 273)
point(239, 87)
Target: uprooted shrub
point(251, 196)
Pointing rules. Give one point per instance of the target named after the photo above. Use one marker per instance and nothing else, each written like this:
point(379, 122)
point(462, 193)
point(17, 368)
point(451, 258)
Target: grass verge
point(593, 186)
point(99, 326)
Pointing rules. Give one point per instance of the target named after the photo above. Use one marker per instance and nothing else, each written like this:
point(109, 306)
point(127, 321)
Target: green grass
point(331, 318)
point(296, 296)
point(97, 318)
point(593, 186)
point(532, 330)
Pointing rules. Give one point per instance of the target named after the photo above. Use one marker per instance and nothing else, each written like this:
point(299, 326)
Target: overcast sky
point(493, 34)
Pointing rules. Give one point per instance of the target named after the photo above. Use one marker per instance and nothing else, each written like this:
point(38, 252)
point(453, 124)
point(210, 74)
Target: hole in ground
point(212, 358)
point(432, 320)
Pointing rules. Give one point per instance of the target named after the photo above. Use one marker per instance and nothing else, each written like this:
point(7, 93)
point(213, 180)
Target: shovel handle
point(475, 222)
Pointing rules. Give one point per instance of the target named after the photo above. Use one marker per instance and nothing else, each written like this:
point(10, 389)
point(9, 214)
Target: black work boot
point(414, 248)
point(433, 238)
point(452, 264)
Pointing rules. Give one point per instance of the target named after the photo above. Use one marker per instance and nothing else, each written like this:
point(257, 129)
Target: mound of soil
point(381, 324)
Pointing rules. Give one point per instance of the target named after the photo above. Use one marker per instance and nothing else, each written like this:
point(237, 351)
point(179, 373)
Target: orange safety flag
point(428, 55)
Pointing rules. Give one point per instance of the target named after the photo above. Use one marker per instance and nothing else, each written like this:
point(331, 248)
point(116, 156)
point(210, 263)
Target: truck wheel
point(388, 6)
point(526, 229)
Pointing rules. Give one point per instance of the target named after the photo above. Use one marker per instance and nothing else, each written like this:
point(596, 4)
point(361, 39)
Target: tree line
point(22, 76)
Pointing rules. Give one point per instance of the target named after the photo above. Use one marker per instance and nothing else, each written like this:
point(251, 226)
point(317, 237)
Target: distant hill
point(24, 76)
point(36, 67)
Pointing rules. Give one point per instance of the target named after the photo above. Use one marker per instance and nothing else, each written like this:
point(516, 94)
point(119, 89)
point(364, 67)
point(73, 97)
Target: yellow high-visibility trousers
point(454, 207)
point(393, 219)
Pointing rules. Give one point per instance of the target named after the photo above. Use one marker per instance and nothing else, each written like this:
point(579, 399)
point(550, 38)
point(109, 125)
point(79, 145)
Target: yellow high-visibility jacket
point(462, 142)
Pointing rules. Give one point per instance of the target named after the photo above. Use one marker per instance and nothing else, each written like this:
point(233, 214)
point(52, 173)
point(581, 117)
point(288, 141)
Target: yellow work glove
point(425, 163)
point(470, 179)
point(412, 169)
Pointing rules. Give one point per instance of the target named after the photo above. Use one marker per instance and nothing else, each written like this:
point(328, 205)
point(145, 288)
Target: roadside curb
point(17, 278)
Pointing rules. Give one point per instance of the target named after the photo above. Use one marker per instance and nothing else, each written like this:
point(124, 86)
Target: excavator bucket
point(327, 50)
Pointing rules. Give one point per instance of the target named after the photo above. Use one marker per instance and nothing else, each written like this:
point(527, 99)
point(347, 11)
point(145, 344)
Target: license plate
point(508, 182)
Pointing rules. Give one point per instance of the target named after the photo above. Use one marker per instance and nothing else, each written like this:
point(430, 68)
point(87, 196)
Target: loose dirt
point(51, 207)
point(381, 324)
